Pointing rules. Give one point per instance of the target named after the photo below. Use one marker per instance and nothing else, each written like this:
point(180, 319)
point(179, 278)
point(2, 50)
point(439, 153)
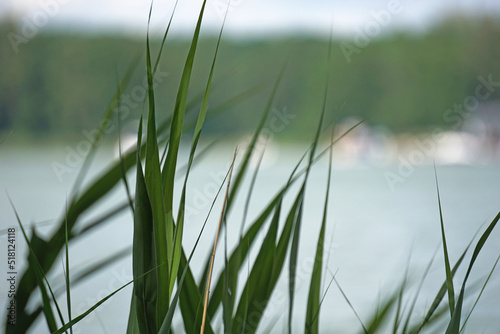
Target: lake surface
point(375, 231)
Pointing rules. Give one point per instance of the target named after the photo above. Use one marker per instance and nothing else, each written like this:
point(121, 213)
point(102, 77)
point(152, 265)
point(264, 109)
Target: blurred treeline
point(60, 84)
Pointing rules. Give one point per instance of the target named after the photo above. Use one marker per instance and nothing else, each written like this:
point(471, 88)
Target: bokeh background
point(423, 75)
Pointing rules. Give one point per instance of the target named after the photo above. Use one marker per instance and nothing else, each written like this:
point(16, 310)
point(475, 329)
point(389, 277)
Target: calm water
point(373, 231)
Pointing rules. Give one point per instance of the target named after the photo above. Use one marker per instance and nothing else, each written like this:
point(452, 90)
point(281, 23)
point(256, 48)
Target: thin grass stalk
point(67, 277)
point(351, 306)
point(454, 324)
point(207, 291)
point(41, 279)
point(480, 294)
point(449, 277)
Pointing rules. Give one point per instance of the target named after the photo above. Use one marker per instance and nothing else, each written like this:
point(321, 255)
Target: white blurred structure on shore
point(475, 142)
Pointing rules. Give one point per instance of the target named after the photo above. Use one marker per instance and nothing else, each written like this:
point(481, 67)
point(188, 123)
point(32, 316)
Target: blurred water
point(373, 230)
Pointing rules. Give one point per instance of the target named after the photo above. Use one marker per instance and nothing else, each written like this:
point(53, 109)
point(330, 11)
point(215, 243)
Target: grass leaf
point(313, 301)
point(454, 324)
point(449, 277)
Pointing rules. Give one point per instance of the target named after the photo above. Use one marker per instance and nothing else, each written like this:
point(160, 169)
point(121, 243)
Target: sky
point(245, 17)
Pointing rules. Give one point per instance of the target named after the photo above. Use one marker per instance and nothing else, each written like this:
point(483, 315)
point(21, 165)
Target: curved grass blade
point(350, 305)
point(312, 311)
point(252, 304)
point(48, 250)
point(163, 228)
point(381, 316)
point(251, 146)
point(157, 62)
point(324, 294)
point(81, 275)
point(231, 281)
point(102, 127)
point(144, 255)
point(258, 287)
point(67, 279)
point(167, 322)
point(240, 253)
point(41, 279)
point(190, 297)
point(480, 294)
point(296, 234)
point(169, 167)
point(449, 277)
point(197, 132)
point(5, 138)
point(439, 297)
point(122, 163)
point(222, 215)
point(99, 303)
point(454, 324)
point(417, 293)
point(133, 321)
point(399, 308)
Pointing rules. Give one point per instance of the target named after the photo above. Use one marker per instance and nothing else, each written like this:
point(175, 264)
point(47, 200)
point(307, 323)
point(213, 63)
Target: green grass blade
point(82, 274)
point(194, 145)
point(480, 294)
point(454, 324)
point(296, 234)
point(249, 194)
point(230, 281)
point(178, 120)
point(204, 105)
point(240, 253)
point(399, 308)
point(449, 277)
point(100, 186)
point(7, 136)
point(167, 322)
point(46, 302)
point(168, 175)
point(41, 279)
point(133, 321)
point(439, 296)
point(351, 306)
point(251, 146)
point(191, 296)
point(163, 228)
point(312, 311)
point(417, 293)
point(281, 250)
point(284, 241)
point(99, 303)
point(292, 269)
point(103, 125)
point(122, 163)
point(67, 277)
point(378, 320)
point(144, 254)
point(258, 287)
point(221, 220)
point(48, 250)
point(157, 62)
point(325, 293)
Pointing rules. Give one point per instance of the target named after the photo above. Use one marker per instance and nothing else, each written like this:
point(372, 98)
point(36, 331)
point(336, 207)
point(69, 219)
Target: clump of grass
point(163, 281)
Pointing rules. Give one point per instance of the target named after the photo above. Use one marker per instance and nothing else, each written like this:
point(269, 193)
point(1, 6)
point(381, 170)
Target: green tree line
point(59, 84)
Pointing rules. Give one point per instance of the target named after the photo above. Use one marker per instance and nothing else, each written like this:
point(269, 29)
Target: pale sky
point(246, 17)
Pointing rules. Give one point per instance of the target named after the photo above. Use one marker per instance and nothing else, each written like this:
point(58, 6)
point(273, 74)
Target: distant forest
point(58, 85)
